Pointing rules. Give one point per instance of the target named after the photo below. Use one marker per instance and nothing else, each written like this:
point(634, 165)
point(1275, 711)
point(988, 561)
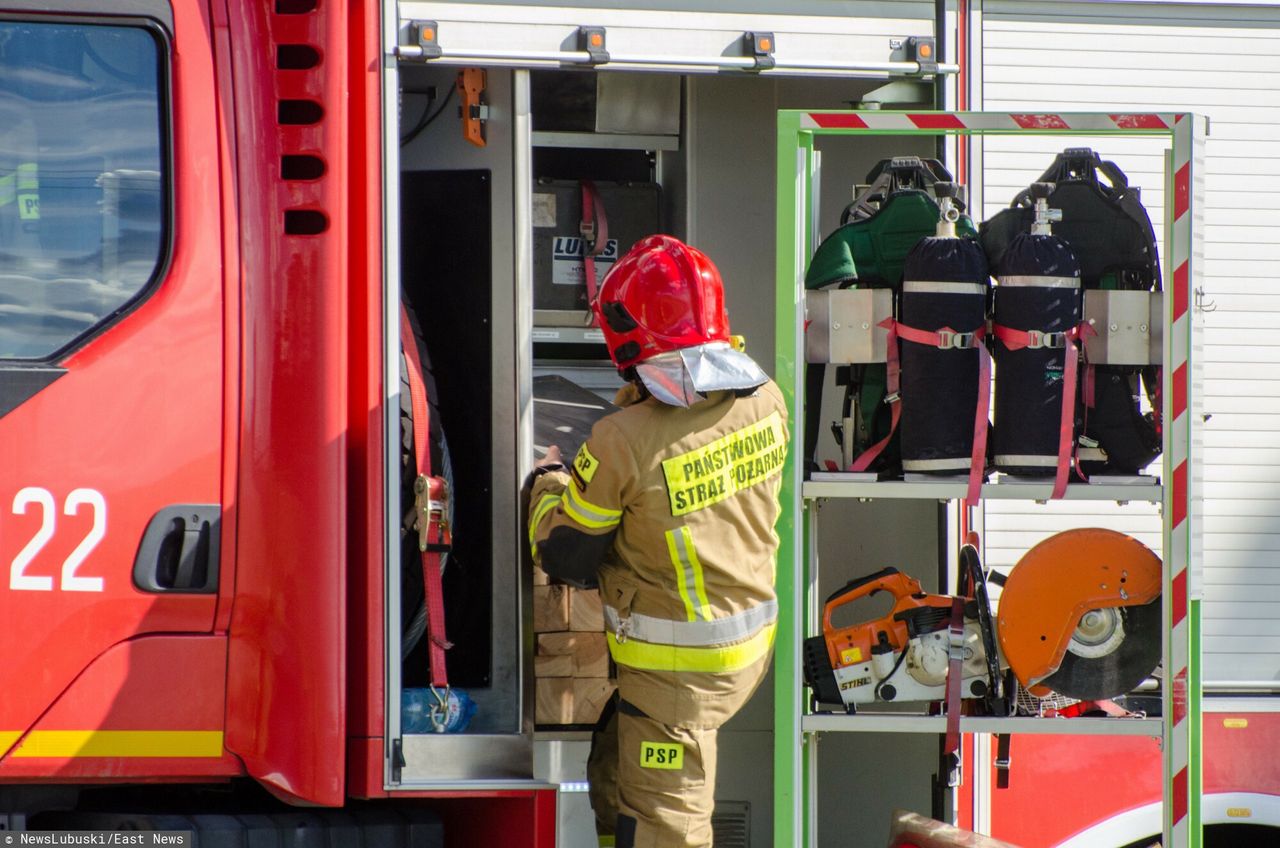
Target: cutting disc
point(1102, 665)
point(1080, 614)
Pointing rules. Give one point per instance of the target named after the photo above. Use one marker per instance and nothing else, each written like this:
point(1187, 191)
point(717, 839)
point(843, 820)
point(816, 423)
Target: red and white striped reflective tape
point(1075, 121)
point(1178, 503)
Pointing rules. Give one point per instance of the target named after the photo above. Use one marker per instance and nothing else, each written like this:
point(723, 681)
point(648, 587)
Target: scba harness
point(1110, 233)
point(889, 216)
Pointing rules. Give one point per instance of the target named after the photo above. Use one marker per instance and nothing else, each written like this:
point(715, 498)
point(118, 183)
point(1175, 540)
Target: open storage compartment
point(480, 239)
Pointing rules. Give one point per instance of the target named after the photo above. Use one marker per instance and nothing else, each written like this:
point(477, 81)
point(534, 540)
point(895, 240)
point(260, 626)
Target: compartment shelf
point(908, 723)
point(567, 335)
point(834, 484)
point(605, 141)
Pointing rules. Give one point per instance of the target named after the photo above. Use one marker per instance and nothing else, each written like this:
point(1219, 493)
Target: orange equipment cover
point(1057, 582)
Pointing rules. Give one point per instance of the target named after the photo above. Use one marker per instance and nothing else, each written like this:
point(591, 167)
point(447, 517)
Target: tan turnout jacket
point(688, 498)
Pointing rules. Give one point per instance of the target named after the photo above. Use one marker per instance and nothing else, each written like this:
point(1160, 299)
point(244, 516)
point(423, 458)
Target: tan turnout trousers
point(678, 507)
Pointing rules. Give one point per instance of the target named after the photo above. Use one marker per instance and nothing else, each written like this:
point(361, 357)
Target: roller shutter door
point(1221, 61)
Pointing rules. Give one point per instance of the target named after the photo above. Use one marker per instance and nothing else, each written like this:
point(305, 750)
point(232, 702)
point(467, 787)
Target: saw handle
point(886, 580)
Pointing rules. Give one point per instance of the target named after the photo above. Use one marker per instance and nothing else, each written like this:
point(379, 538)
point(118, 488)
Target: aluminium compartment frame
point(1180, 496)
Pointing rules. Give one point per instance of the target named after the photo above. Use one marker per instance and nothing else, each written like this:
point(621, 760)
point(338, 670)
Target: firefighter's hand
point(553, 461)
point(552, 458)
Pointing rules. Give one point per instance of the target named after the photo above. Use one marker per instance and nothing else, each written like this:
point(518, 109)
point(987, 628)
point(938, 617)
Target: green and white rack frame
point(1179, 488)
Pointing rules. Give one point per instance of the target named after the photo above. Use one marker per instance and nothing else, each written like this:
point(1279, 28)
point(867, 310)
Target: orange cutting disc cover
point(1061, 579)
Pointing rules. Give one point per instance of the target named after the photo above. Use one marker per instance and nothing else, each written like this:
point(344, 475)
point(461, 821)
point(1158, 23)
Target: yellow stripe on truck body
point(65, 744)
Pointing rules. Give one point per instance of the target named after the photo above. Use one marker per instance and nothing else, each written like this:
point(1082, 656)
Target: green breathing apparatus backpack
point(878, 229)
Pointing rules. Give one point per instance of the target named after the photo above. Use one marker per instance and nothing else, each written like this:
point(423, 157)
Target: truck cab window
point(82, 179)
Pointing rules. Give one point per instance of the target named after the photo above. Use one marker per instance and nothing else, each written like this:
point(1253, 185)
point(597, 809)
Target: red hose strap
point(437, 644)
point(595, 237)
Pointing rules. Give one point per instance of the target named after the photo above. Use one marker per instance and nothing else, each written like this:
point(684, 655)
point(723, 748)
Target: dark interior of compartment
point(446, 272)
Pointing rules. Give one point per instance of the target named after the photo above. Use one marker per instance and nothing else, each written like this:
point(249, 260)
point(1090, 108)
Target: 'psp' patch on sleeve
point(585, 465)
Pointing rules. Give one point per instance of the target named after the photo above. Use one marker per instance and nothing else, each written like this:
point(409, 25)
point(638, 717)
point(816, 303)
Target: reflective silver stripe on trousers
point(1041, 282)
point(694, 634)
point(1026, 459)
point(943, 287)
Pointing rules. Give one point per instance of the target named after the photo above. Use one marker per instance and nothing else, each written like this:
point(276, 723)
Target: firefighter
point(670, 508)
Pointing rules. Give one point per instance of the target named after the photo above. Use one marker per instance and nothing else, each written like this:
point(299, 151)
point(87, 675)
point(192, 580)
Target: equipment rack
point(1178, 489)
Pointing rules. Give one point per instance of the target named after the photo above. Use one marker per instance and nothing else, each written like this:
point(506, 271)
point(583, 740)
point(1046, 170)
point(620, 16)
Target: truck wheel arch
point(1231, 808)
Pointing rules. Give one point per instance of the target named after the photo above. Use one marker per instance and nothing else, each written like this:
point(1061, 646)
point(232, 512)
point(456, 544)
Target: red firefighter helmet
point(663, 295)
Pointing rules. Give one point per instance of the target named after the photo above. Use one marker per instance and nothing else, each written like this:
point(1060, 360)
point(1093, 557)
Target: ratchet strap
point(1003, 741)
point(944, 339)
point(892, 396)
point(1034, 339)
point(955, 671)
point(949, 339)
point(430, 496)
point(594, 228)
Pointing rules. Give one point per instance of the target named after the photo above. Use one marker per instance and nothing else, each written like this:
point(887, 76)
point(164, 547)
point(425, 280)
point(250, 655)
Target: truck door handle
point(179, 551)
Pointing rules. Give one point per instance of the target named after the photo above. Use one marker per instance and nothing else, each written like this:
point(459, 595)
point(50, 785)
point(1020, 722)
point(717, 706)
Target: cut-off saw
point(1079, 616)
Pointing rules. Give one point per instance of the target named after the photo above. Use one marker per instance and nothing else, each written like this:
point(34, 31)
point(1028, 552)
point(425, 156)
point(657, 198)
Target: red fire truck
point(196, 513)
point(190, 440)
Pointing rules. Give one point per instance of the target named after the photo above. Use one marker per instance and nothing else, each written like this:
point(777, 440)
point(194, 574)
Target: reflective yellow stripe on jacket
point(545, 504)
point(588, 514)
point(689, 580)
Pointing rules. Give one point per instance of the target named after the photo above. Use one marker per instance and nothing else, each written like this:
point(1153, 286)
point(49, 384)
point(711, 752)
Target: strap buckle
point(1037, 339)
point(893, 397)
point(951, 340)
point(623, 630)
point(955, 640)
point(431, 504)
point(587, 229)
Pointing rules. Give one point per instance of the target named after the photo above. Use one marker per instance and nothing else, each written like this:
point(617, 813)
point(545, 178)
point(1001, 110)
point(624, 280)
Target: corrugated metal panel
point(1220, 61)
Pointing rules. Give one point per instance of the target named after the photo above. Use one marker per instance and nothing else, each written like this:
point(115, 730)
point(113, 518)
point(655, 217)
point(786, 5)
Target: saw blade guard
point(1080, 614)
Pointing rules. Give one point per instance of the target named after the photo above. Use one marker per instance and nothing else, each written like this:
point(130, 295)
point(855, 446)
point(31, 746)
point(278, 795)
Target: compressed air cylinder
point(945, 287)
point(1038, 298)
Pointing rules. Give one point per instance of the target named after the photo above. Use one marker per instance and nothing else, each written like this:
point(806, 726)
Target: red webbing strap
point(437, 643)
point(594, 229)
point(945, 339)
point(892, 382)
point(955, 671)
point(981, 415)
point(1067, 421)
point(1088, 383)
point(1018, 339)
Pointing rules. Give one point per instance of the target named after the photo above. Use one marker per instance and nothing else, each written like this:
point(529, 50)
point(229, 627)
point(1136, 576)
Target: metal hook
point(1203, 304)
point(440, 710)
